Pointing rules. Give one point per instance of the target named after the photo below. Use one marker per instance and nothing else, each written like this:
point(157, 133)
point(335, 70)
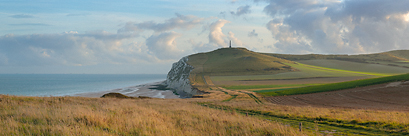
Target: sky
point(147, 36)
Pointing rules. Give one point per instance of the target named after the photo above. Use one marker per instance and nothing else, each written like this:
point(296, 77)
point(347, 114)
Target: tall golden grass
point(360, 115)
point(110, 116)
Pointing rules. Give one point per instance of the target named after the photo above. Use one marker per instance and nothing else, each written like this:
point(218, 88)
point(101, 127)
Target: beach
point(135, 91)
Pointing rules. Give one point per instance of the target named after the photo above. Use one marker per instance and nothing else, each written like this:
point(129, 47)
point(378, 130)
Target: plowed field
point(390, 96)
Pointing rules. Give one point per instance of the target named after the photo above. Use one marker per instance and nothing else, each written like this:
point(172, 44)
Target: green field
point(336, 86)
point(355, 66)
point(306, 71)
point(248, 87)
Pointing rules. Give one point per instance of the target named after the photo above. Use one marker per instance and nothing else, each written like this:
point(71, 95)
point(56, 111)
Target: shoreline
point(135, 91)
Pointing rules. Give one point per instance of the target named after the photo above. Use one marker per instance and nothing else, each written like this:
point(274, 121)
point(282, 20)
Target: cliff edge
point(178, 79)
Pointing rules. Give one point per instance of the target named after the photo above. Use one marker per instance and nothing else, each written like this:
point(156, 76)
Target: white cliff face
point(178, 78)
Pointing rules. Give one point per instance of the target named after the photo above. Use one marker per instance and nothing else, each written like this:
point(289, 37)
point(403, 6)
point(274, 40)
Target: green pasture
point(337, 86)
point(338, 71)
point(271, 90)
point(247, 87)
point(239, 61)
point(355, 66)
point(306, 71)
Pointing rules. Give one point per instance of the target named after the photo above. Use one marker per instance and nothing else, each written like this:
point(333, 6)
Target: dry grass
point(360, 115)
point(110, 116)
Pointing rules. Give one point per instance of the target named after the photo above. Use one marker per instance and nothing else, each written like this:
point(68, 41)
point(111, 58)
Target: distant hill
point(391, 56)
point(237, 61)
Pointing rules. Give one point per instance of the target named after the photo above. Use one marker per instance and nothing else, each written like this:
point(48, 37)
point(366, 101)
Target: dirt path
point(390, 96)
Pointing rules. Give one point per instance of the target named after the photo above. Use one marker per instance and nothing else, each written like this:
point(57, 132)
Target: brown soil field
point(322, 80)
point(390, 96)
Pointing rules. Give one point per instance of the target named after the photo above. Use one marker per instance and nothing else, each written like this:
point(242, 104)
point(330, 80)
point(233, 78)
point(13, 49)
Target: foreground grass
point(337, 86)
point(324, 120)
point(110, 116)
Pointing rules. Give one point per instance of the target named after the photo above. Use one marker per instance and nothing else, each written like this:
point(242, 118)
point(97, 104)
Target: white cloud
point(163, 45)
point(338, 26)
point(236, 41)
point(216, 35)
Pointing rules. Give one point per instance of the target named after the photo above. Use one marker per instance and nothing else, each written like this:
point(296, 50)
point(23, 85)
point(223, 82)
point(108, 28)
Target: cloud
point(71, 49)
point(30, 24)
point(163, 45)
point(338, 26)
point(374, 9)
point(22, 16)
point(178, 22)
point(216, 35)
point(99, 47)
point(241, 10)
point(236, 41)
point(252, 33)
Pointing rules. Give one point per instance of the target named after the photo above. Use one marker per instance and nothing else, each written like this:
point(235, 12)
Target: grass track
point(252, 96)
point(231, 98)
point(337, 86)
point(342, 127)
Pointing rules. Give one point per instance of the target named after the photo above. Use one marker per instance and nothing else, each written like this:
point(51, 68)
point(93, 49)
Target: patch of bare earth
point(389, 96)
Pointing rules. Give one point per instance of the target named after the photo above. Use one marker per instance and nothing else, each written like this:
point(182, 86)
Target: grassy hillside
point(402, 55)
point(237, 61)
point(393, 58)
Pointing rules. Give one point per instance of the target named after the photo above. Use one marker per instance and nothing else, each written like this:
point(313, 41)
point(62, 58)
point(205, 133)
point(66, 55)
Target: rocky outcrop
point(178, 79)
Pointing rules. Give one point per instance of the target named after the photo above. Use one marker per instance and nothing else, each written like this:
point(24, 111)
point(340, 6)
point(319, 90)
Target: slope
point(390, 56)
point(237, 61)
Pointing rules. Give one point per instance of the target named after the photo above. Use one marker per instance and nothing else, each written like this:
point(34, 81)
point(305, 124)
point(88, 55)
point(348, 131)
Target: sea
point(70, 84)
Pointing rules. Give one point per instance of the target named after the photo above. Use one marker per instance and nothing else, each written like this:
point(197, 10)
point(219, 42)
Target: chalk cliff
point(178, 79)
